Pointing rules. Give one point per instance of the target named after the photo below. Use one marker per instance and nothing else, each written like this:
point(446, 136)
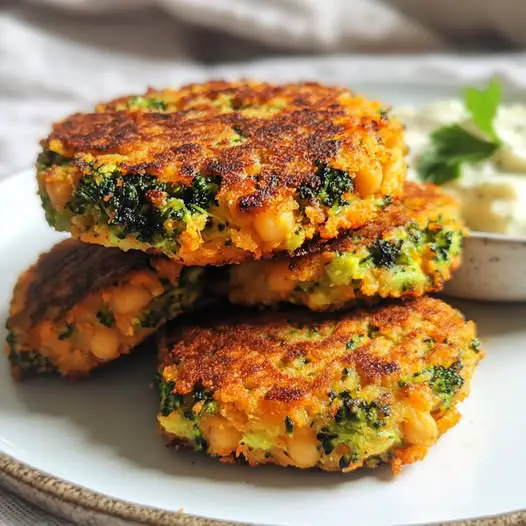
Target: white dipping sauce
point(492, 192)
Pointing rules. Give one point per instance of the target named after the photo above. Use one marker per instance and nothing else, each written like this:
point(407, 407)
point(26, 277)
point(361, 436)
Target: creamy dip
point(492, 192)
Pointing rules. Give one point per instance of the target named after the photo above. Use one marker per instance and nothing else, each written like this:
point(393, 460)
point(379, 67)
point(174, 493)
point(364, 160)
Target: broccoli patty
point(409, 250)
point(83, 305)
point(221, 172)
point(336, 391)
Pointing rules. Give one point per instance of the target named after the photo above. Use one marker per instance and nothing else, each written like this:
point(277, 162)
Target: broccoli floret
point(443, 381)
point(446, 381)
point(31, 362)
point(92, 189)
point(327, 186)
point(384, 202)
point(106, 317)
point(47, 158)
point(445, 243)
point(200, 394)
point(148, 103)
point(354, 419)
point(140, 205)
point(27, 361)
point(354, 342)
point(186, 420)
point(202, 192)
point(415, 235)
point(385, 253)
point(238, 136)
point(167, 305)
point(170, 401)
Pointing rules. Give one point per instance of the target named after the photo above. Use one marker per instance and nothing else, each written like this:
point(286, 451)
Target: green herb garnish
point(453, 146)
point(483, 106)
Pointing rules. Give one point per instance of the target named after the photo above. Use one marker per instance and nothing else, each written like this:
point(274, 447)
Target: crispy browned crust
point(250, 357)
point(69, 272)
point(80, 305)
point(313, 123)
point(416, 200)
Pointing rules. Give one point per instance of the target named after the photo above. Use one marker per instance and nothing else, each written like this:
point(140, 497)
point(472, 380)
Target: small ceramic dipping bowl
point(493, 269)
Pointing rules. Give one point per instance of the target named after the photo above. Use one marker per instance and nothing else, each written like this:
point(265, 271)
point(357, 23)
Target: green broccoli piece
point(446, 381)
point(147, 103)
point(327, 186)
point(354, 418)
point(139, 204)
point(31, 362)
point(202, 192)
point(170, 401)
point(47, 158)
point(162, 308)
point(28, 362)
point(385, 253)
point(445, 244)
point(354, 342)
point(415, 235)
point(106, 317)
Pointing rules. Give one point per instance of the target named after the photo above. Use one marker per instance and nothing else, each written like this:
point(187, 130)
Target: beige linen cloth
point(59, 56)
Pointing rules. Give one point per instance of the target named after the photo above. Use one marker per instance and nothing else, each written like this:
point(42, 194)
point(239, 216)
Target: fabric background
point(57, 56)
point(17, 512)
point(60, 56)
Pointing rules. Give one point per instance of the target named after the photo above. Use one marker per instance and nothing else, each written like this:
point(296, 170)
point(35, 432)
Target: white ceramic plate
point(99, 436)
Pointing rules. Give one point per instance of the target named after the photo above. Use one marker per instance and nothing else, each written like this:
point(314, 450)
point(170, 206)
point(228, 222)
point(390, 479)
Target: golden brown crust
point(333, 391)
point(282, 129)
point(72, 270)
point(410, 249)
point(417, 200)
point(82, 305)
point(256, 352)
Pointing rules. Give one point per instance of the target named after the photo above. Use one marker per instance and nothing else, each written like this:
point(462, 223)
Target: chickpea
point(368, 182)
point(59, 193)
point(129, 300)
point(221, 436)
point(104, 343)
point(302, 448)
point(420, 428)
point(274, 228)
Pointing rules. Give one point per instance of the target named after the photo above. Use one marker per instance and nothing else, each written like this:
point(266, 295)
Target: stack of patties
point(297, 192)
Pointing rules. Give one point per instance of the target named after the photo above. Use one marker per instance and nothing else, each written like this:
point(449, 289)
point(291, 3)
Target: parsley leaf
point(452, 146)
point(483, 105)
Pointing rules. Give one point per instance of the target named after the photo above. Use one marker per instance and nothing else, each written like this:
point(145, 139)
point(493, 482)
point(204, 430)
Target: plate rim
point(20, 478)
point(71, 499)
